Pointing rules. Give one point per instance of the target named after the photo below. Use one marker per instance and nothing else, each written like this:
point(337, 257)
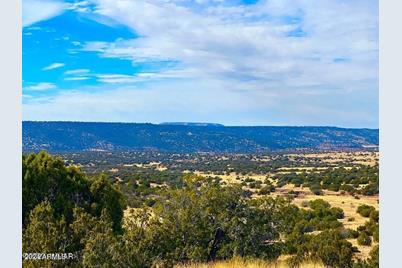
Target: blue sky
point(235, 62)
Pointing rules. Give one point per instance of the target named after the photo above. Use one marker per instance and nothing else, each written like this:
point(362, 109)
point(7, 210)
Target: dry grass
point(155, 165)
point(347, 203)
point(357, 158)
point(349, 206)
point(364, 250)
point(243, 263)
point(232, 177)
point(302, 168)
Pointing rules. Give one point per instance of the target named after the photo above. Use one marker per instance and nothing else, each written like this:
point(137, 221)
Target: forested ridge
point(85, 136)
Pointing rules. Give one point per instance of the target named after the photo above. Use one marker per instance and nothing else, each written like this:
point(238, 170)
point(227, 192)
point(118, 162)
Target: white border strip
point(10, 134)
point(390, 133)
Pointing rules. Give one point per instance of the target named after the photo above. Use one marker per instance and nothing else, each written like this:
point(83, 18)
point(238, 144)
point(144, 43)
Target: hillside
point(81, 136)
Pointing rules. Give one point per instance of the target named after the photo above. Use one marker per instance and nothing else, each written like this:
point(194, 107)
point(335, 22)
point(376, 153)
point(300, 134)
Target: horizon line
point(181, 123)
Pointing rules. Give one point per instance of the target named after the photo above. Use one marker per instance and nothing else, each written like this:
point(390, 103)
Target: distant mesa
point(191, 124)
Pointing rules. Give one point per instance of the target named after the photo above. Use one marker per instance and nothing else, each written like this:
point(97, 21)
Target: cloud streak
point(37, 10)
point(53, 66)
point(40, 86)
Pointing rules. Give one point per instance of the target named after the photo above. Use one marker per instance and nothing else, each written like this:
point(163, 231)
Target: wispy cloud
point(77, 72)
point(37, 10)
point(40, 86)
point(80, 6)
point(53, 66)
point(77, 78)
point(77, 75)
point(253, 42)
point(116, 78)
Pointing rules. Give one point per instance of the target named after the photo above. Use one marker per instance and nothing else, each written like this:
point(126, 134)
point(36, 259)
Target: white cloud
point(252, 42)
point(40, 86)
point(77, 72)
point(77, 75)
point(145, 103)
point(116, 78)
point(80, 6)
point(77, 78)
point(76, 43)
point(201, 101)
point(53, 66)
point(37, 10)
point(275, 60)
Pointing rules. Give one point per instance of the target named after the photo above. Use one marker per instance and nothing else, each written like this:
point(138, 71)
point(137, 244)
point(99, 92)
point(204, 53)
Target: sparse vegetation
point(174, 217)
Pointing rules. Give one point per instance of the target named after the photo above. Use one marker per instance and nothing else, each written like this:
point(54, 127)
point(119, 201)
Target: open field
point(238, 262)
point(233, 177)
point(356, 158)
point(142, 177)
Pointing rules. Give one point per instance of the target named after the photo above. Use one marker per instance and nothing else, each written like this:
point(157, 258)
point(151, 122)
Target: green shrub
point(365, 210)
point(364, 239)
point(332, 249)
point(374, 215)
point(266, 190)
point(352, 233)
point(316, 189)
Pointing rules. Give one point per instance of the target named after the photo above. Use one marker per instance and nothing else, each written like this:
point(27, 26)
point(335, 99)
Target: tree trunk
point(218, 237)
